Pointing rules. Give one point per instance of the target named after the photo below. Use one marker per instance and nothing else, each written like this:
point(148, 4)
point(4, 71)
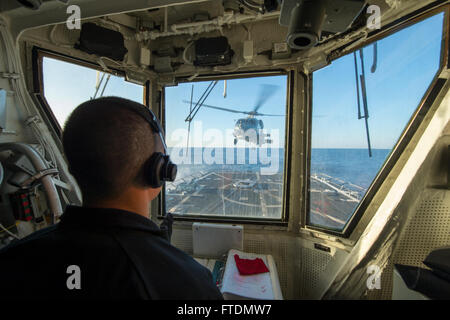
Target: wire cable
point(9, 232)
point(185, 59)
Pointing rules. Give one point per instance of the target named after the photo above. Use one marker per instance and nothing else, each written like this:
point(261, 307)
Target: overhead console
point(307, 19)
point(102, 42)
point(183, 38)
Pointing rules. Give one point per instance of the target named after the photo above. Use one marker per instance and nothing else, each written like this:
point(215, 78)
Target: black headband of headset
point(148, 114)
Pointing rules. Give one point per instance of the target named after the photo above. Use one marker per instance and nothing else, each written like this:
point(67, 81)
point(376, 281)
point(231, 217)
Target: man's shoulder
point(168, 272)
point(155, 250)
point(29, 241)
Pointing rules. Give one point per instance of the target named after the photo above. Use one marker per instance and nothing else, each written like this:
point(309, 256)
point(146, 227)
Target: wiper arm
point(362, 79)
point(375, 58)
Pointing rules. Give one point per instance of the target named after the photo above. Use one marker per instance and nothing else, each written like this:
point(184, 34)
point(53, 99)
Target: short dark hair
point(106, 146)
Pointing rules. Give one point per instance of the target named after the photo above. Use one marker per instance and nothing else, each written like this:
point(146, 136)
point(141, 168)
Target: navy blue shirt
point(119, 254)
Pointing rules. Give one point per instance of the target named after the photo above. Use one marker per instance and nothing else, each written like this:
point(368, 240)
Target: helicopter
point(248, 129)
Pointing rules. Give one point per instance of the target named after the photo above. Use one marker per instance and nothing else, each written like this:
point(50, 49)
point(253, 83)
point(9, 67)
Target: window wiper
point(361, 83)
point(375, 58)
point(201, 101)
point(193, 110)
point(99, 84)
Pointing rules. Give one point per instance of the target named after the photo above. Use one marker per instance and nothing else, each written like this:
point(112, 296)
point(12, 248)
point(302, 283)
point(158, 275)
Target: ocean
point(350, 165)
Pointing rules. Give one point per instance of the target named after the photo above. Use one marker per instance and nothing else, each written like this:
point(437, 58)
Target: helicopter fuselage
point(250, 130)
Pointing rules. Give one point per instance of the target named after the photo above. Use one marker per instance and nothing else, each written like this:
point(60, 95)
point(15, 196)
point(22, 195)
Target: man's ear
point(153, 193)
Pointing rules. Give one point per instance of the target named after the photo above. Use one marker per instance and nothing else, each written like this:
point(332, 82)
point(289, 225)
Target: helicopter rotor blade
point(223, 109)
point(251, 113)
point(265, 92)
point(267, 115)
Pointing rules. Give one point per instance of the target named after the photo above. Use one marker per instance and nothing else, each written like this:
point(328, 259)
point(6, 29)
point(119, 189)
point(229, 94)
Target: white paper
point(257, 286)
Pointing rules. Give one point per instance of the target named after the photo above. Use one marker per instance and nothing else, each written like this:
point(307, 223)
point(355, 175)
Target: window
point(66, 85)
point(361, 104)
point(229, 147)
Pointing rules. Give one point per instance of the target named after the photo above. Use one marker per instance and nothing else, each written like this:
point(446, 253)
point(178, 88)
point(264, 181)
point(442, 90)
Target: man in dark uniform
point(108, 248)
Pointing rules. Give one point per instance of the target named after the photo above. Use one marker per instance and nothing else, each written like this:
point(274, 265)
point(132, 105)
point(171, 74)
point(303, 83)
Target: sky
point(407, 62)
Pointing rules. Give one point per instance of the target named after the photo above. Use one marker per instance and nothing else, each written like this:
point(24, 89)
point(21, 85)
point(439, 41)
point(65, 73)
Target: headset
point(159, 168)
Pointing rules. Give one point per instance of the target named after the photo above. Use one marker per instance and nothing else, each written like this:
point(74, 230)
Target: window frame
point(283, 221)
point(408, 132)
point(38, 55)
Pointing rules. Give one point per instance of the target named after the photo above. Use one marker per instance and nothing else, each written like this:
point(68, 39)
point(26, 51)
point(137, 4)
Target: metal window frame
point(411, 127)
point(283, 221)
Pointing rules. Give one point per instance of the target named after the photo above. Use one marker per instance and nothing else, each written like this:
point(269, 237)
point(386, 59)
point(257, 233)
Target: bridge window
point(66, 85)
point(227, 138)
point(361, 105)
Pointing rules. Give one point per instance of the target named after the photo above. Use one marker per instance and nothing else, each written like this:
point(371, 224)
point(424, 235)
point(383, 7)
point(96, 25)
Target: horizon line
point(254, 147)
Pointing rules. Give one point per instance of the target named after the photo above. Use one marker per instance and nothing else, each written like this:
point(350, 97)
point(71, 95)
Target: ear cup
point(160, 169)
point(169, 170)
point(154, 168)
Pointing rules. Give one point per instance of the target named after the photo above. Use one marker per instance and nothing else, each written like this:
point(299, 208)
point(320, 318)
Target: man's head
point(108, 146)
